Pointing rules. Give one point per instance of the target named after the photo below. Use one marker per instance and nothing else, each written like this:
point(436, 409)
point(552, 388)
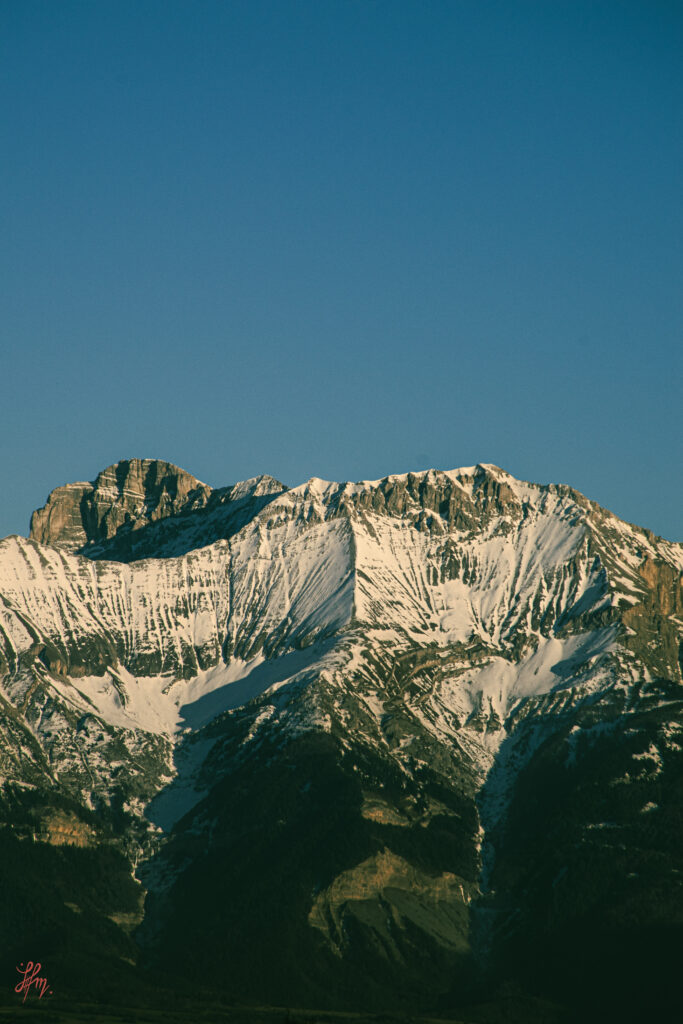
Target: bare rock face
point(126, 496)
point(60, 521)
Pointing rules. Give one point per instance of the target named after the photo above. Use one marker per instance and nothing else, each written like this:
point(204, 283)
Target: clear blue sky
point(343, 239)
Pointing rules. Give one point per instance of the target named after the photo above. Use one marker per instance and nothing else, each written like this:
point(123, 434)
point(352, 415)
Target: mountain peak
point(141, 508)
point(129, 493)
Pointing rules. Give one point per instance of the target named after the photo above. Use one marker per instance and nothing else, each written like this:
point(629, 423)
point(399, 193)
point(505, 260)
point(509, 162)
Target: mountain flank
point(412, 744)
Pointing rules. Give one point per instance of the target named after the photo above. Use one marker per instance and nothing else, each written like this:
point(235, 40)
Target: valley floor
point(516, 1010)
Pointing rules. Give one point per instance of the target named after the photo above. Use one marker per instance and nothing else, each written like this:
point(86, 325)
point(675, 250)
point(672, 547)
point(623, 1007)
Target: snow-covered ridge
point(469, 556)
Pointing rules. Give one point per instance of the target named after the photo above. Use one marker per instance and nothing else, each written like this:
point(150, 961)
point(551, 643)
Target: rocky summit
point(404, 745)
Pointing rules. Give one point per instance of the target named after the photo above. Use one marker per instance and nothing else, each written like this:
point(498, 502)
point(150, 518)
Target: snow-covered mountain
point(363, 741)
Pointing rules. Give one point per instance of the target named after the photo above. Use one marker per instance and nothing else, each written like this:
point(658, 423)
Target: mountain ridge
point(197, 495)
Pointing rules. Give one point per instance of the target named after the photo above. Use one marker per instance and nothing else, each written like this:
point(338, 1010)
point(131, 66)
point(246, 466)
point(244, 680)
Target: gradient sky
point(343, 239)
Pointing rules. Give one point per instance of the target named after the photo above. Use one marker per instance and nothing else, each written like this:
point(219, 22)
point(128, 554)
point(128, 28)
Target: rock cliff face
point(126, 496)
point(142, 508)
point(381, 736)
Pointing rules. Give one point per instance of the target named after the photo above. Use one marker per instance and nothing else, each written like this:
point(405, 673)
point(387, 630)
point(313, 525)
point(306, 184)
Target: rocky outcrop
point(145, 508)
point(654, 622)
point(126, 496)
point(398, 895)
point(63, 829)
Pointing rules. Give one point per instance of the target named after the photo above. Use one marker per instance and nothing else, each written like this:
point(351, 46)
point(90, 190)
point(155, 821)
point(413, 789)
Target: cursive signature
point(30, 978)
